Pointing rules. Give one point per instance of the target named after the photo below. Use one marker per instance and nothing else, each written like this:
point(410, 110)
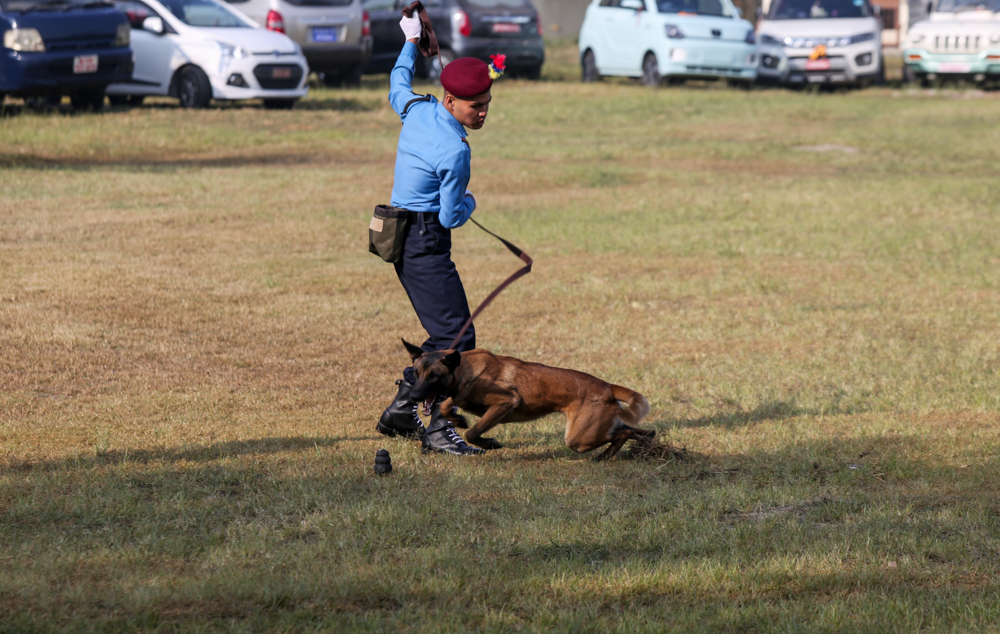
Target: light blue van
point(657, 39)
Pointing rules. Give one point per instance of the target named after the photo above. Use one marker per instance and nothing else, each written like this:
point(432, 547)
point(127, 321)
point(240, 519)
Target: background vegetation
point(195, 344)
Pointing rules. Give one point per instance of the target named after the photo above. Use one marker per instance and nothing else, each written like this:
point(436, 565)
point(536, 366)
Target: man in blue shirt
point(431, 179)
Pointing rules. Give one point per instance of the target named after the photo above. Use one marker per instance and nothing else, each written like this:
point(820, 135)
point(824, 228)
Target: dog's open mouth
point(427, 406)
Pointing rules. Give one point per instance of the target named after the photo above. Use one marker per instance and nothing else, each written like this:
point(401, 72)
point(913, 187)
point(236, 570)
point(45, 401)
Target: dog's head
point(435, 371)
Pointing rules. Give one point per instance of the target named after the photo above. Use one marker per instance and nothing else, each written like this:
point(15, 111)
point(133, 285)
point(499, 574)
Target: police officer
point(431, 181)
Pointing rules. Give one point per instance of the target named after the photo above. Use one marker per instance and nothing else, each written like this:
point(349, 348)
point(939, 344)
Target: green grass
point(194, 346)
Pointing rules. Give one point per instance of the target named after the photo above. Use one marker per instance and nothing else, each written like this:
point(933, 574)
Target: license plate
point(954, 67)
point(324, 34)
point(85, 64)
point(506, 27)
point(817, 64)
point(281, 73)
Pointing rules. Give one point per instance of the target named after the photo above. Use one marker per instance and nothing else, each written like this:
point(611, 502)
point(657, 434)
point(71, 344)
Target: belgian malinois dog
point(507, 390)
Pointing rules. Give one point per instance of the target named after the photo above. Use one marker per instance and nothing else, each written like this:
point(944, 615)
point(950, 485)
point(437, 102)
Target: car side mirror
point(635, 5)
point(877, 10)
point(153, 24)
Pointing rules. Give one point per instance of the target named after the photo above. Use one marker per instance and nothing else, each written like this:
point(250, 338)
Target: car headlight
point(236, 52)
point(864, 37)
point(751, 37)
point(123, 36)
point(673, 32)
point(769, 39)
point(28, 40)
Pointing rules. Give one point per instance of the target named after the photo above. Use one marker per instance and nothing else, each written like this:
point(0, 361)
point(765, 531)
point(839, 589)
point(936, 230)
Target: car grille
point(79, 45)
point(958, 44)
point(278, 76)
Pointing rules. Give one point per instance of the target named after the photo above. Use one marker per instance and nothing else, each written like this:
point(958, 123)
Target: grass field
point(195, 344)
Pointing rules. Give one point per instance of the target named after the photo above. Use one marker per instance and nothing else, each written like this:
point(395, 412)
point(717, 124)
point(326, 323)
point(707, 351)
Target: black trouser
point(433, 286)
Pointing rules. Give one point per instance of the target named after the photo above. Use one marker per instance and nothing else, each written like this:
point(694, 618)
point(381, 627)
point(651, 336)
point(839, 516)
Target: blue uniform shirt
point(433, 159)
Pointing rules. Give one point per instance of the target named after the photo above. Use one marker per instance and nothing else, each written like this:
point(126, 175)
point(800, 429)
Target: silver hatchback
point(335, 35)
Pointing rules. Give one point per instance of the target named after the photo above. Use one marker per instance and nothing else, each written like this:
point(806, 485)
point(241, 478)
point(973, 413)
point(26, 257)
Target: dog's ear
point(452, 361)
point(415, 352)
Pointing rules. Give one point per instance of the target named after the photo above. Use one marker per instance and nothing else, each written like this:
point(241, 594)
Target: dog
point(507, 390)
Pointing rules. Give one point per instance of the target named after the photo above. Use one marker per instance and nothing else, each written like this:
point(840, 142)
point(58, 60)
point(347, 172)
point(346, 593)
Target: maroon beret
point(466, 77)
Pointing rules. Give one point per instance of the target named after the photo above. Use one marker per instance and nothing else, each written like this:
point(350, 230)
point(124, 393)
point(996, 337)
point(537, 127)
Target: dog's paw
point(487, 443)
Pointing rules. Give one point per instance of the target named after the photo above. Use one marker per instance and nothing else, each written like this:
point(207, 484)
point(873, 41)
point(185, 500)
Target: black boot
point(442, 437)
point(400, 418)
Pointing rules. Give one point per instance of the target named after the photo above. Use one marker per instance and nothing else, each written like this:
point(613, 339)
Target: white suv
point(820, 41)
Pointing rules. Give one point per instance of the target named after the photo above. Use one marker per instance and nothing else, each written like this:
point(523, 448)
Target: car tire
point(588, 68)
point(193, 88)
point(531, 73)
point(651, 71)
point(118, 100)
point(437, 64)
point(88, 99)
point(880, 77)
point(909, 77)
point(279, 104)
point(136, 100)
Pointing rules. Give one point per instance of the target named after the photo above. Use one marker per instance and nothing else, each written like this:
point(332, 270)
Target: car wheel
point(118, 100)
point(588, 70)
point(909, 77)
point(880, 77)
point(193, 88)
point(89, 99)
point(533, 73)
point(650, 71)
point(136, 100)
point(443, 58)
point(279, 104)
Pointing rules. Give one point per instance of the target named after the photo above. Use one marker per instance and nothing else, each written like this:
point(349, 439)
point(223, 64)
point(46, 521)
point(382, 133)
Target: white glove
point(410, 26)
point(468, 194)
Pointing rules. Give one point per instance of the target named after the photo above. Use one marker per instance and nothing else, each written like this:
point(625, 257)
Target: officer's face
point(469, 112)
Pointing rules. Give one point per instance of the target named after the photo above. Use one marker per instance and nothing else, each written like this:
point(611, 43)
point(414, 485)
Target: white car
point(821, 41)
point(197, 50)
point(960, 40)
point(656, 39)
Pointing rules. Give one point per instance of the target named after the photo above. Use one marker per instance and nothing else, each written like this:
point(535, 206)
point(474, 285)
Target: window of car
point(204, 13)
point(949, 6)
point(698, 7)
point(819, 9)
point(380, 5)
point(135, 11)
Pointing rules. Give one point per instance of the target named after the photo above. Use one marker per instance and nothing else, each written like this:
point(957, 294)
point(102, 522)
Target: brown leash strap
point(507, 282)
point(428, 42)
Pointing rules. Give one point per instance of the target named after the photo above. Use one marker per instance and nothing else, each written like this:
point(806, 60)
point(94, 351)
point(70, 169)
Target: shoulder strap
point(413, 101)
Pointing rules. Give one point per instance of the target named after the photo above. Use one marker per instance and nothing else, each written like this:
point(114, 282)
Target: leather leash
point(507, 282)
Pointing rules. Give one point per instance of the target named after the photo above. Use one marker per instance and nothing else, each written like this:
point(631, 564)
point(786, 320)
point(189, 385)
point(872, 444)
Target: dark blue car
point(53, 48)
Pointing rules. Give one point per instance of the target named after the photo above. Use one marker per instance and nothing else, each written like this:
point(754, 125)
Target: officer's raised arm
point(401, 78)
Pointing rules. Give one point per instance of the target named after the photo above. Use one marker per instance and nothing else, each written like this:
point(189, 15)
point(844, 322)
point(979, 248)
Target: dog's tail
point(636, 404)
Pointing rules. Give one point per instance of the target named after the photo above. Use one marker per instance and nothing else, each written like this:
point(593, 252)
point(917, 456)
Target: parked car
point(821, 41)
point(464, 28)
point(657, 39)
point(53, 48)
point(961, 39)
point(335, 35)
point(197, 50)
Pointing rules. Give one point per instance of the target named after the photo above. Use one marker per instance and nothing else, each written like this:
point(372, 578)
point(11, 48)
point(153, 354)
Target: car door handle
point(716, 33)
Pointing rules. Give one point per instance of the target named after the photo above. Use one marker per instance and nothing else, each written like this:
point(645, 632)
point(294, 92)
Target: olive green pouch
point(387, 232)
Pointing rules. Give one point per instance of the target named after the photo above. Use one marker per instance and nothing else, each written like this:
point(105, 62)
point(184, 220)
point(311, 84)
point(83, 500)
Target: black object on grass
point(383, 463)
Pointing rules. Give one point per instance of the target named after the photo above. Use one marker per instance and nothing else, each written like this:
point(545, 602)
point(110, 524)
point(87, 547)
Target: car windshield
point(950, 6)
point(51, 5)
point(700, 7)
point(806, 9)
point(204, 13)
point(498, 4)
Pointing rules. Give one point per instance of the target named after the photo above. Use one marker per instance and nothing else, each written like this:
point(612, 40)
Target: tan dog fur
point(507, 390)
